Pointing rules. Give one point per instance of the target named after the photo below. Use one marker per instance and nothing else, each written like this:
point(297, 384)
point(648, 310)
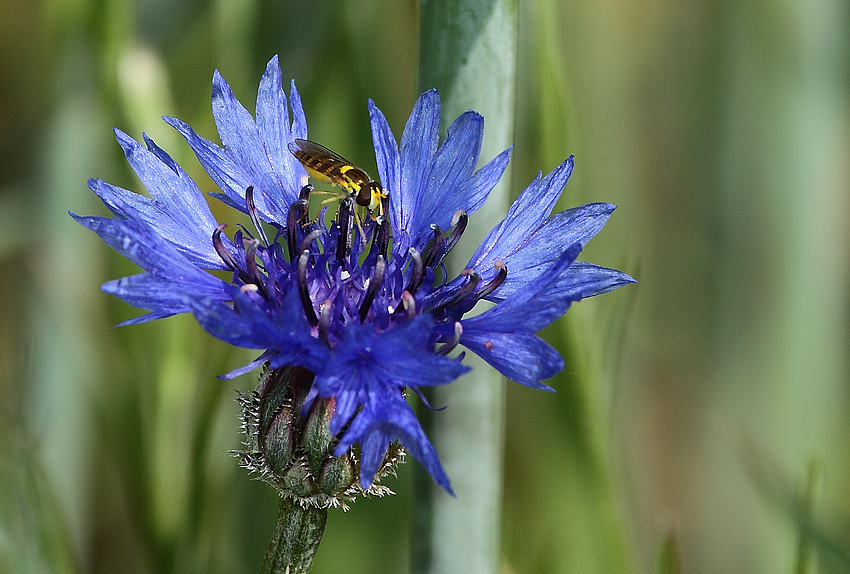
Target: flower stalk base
point(296, 538)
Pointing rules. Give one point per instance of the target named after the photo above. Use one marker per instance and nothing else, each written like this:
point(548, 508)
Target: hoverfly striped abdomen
point(330, 167)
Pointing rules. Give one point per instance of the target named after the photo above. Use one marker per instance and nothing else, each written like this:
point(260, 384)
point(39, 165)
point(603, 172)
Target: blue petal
point(528, 242)
point(528, 259)
point(299, 120)
point(245, 369)
point(428, 185)
point(418, 144)
point(170, 275)
point(405, 354)
point(376, 430)
point(527, 214)
point(521, 357)
point(230, 177)
point(237, 326)
point(243, 143)
point(581, 280)
point(140, 244)
point(366, 362)
point(450, 184)
point(577, 225)
point(152, 316)
point(473, 193)
point(534, 306)
point(190, 241)
point(452, 165)
point(162, 295)
point(176, 209)
point(255, 153)
point(504, 335)
point(287, 336)
point(273, 115)
point(387, 158)
point(276, 132)
point(226, 200)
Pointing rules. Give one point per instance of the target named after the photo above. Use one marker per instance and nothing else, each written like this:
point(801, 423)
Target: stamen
point(459, 221)
point(494, 283)
point(344, 217)
point(418, 272)
point(307, 242)
point(257, 278)
point(305, 192)
point(222, 251)
point(382, 235)
point(470, 286)
point(374, 285)
point(436, 247)
point(451, 343)
point(456, 217)
point(409, 304)
point(324, 319)
point(296, 211)
point(303, 289)
point(381, 238)
point(463, 293)
point(255, 216)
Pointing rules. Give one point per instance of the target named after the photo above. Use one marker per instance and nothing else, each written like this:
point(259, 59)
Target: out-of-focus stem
point(468, 52)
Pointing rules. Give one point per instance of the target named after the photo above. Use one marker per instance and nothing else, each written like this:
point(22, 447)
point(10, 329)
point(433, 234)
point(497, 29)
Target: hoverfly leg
point(359, 222)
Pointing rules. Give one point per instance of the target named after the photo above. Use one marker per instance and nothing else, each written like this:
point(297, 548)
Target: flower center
point(339, 282)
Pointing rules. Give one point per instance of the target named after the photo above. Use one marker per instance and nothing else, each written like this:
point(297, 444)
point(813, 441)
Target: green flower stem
point(468, 52)
point(295, 540)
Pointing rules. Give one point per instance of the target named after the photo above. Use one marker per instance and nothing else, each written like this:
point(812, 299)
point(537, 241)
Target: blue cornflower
point(366, 310)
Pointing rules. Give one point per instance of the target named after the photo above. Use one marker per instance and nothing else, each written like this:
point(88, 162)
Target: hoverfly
point(330, 167)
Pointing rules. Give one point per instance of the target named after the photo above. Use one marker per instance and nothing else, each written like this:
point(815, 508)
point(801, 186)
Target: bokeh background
point(702, 423)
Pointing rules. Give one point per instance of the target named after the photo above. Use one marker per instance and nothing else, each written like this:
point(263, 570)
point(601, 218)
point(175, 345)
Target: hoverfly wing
point(309, 152)
point(324, 164)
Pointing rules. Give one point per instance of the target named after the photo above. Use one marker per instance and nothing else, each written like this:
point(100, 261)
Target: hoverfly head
point(370, 195)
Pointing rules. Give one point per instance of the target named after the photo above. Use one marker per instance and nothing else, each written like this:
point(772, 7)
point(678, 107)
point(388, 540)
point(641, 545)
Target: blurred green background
point(705, 410)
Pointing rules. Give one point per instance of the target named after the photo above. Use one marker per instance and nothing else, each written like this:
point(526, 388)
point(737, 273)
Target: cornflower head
point(350, 314)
